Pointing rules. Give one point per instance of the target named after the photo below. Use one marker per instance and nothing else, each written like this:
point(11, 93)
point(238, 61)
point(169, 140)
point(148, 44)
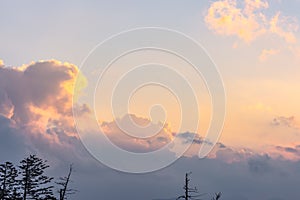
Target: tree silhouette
point(189, 193)
point(217, 196)
point(63, 182)
point(9, 186)
point(34, 184)
point(192, 193)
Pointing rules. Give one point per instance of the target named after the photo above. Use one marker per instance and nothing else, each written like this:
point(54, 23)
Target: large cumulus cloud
point(36, 110)
point(42, 85)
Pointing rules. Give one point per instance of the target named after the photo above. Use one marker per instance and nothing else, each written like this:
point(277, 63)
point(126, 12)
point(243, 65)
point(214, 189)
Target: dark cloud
point(258, 178)
point(259, 164)
point(12, 140)
point(221, 145)
point(188, 137)
point(82, 109)
point(6, 106)
point(289, 151)
point(231, 154)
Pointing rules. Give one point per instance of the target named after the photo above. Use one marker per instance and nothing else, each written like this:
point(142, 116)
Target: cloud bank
point(36, 117)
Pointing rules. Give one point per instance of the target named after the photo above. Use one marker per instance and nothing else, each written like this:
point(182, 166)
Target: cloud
point(38, 87)
point(222, 152)
point(289, 122)
point(36, 109)
point(131, 136)
point(284, 27)
point(230, 154)
point(6, 106)
point(189, 137)
point(260, 164)
point(1, 63)
point(225, 17)
point(37, 99)
point(266, 53)
point(259, 177)
point(248, 21)
point(287, 152)
point(288, 149)
point(138, 128)
point(13, 142)
point(30, 123)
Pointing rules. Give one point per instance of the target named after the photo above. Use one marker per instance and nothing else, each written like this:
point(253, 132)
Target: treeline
point(29, 181)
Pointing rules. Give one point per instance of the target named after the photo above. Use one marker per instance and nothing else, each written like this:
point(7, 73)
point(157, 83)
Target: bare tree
point(189, 193)
point(63, 182)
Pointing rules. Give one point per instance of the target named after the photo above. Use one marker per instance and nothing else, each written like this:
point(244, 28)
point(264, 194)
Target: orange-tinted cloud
point(36, 103)
point(36, 92)
point(266, 53)
point(284, 27)
point(117, 131)
point(225, 17)
point(36, 111)
point(248, 21)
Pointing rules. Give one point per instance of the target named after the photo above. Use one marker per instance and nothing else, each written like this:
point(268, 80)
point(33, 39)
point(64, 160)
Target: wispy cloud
point(266, 53)
point(285, 27)
point(289, 122)
point(286, 152)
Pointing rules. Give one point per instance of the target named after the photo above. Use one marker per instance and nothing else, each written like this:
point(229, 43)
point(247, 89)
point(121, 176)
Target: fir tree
point(9, 184)
point(34, 183)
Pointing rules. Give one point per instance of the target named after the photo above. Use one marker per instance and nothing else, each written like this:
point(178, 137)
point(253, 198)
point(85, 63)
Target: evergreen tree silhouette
point(9, 184)
point(34, 183)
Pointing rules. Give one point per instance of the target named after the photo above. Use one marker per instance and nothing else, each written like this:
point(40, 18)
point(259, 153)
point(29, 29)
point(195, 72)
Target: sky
point(57, 97)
